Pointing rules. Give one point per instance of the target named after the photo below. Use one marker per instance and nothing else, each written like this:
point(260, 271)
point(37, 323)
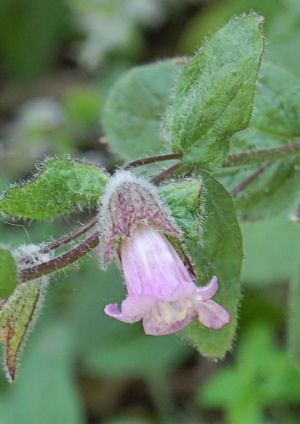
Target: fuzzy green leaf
point(271, 193)
point(133, 111)
point(17, 317)
point(215, 92)
point(206, 214)
point(8, 273)
point(275, 122)
point(276, 112)
point(61, 186)
point(277, 103)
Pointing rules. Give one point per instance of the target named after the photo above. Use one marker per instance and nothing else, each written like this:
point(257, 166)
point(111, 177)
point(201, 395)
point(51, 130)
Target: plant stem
point(60, 261)
point(151, 159)
point(235, 159)
point(165, 174)
point(92, 241)
point(83, 248)
point(69, 237)
point(240, 187)
point(78, 251)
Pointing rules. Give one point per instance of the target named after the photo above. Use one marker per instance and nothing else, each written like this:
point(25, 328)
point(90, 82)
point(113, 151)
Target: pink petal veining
point(160, 289)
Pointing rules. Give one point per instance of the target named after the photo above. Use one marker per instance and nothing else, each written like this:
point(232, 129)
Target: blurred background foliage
point(57, 62)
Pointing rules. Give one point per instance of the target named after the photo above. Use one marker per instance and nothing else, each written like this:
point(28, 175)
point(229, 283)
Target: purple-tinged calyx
point(128, 202)
point(161, 289)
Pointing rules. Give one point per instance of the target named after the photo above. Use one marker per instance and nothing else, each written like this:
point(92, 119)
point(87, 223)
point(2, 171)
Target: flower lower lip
point(161, 291)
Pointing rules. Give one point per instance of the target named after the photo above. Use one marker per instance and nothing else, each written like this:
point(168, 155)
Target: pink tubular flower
point(161, 290)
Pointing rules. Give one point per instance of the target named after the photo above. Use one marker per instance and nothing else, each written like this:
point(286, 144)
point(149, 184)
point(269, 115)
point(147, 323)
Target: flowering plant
point(174, 230)
point(161, 290)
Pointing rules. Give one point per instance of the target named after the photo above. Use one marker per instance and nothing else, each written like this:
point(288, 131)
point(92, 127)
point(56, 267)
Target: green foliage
point(184, 198)
point(215, 91)
point(216, 14)
point(294, 317)
point(8, 273)
point(45, 391)
point(205, 212)
point(17, 318)
point(110, 28)
point(277, 103)
point(295, 214)
point(282, 27)
point(272, 193)
point(209, 100)
point(39, 129)
point(134, 109)
point(44, 126)
point(82, 107)
point(262, 377)
point(274, 123)
point(42, 26)
point(113, 29)
point(130, 353)
point(284, 35)
point(61, 186)
point(271, 251)
point(276, 111)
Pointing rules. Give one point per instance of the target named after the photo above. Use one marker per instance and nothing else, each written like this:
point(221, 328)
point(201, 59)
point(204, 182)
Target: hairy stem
point(165, 174)
point(60, 261)
point(240, 187)
point(235, 159)
point(81, 249)
point(75, 234)
point(69, 237)
point(92, 241)
point(78, 251)
point(151, 159)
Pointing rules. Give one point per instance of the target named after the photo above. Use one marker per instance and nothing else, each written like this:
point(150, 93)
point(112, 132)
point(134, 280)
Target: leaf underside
point(17, 318)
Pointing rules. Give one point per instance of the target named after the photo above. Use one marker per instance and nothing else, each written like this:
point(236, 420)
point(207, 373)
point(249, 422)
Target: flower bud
point(127, 202)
